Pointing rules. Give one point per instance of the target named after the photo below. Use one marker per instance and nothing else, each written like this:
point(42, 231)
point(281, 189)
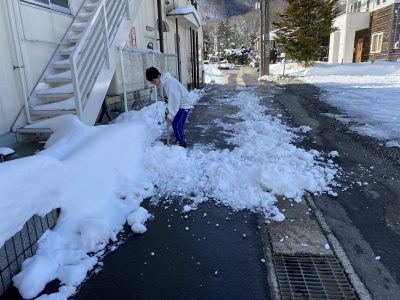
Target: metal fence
point(22, 246)
point(129, 79)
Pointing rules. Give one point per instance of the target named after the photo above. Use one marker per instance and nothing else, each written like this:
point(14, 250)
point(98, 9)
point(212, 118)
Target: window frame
point(50, 5)
point(380, 2)
point(379, 38)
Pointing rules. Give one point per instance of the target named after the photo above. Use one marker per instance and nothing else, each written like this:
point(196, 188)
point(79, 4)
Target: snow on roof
point(184, 10)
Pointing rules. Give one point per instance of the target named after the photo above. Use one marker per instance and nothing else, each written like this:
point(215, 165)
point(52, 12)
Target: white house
point(59, 56)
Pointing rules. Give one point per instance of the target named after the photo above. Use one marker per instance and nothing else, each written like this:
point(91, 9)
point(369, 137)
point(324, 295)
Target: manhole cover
point(312, 277)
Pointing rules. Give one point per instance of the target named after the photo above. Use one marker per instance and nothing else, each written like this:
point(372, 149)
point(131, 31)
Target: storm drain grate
point(312, 277)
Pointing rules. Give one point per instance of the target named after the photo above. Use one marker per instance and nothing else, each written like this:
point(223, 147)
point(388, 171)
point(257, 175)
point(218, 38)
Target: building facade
point(39, 38)
point(366, 30)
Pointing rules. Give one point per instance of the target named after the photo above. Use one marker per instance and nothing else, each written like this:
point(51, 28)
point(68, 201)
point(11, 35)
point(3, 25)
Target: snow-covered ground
point(368, 94)
point(100, 175)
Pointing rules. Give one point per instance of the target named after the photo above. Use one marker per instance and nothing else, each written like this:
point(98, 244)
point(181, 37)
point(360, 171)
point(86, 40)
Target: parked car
point(213, 59)
point(225, 65)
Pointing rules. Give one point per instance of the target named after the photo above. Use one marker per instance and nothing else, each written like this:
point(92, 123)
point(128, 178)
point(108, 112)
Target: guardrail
point(93, 48)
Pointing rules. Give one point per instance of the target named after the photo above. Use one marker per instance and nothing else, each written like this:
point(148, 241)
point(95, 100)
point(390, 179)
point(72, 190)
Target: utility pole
point(267, 44)
point(264, 55)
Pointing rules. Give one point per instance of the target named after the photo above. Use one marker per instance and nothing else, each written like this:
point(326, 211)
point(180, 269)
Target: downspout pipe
point(178, 51)
point(160, 29)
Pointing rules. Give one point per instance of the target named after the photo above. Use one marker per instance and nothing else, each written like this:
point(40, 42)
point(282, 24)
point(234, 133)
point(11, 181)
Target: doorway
point(359, 50)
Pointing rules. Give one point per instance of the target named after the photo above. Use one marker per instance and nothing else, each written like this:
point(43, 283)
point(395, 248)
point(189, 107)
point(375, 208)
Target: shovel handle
point(168, 126)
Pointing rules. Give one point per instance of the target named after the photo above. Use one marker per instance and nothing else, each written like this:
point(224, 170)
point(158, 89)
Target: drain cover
point(312, 277)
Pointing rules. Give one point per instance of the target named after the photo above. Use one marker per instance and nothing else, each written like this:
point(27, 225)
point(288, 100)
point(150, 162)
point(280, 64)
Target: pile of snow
point(264, 165)
point(368, 94)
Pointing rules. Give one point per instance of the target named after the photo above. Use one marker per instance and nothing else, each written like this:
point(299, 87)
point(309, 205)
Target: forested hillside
point(219, 9)
point(237, 16)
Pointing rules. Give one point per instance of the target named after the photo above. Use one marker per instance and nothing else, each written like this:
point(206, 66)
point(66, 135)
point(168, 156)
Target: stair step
point(90, 6)
point(73, 38)
point(67, 51)
point(84, 16)
point(64, 77)
point(62, 64)
point(52, 113)
point(64, 91)
point(79, 26)
point(34, 130)
point(64, 105)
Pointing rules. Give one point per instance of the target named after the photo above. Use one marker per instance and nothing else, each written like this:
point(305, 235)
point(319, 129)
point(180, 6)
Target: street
point(209, 253)
point(214, 252)
point(363, 216)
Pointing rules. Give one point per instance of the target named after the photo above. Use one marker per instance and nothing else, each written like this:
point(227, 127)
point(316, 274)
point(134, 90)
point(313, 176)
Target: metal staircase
point(78, 75)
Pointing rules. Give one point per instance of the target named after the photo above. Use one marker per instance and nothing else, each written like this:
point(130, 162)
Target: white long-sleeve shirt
point(178, 95)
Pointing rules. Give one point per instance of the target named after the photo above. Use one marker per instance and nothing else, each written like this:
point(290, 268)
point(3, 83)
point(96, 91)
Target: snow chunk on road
point(137, 219)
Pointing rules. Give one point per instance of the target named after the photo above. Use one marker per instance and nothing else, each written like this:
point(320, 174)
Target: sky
point(99, 176)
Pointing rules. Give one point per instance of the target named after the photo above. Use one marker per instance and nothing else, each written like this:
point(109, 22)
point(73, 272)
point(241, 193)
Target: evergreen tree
point(303, 26)
point(225, 35)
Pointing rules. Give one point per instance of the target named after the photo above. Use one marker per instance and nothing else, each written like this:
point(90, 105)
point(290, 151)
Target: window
point(355, 7)
point(59, 5)
point(376, 43)
point(359, 6)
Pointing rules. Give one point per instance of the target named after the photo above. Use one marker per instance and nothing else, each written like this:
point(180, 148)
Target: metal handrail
point(93, 48)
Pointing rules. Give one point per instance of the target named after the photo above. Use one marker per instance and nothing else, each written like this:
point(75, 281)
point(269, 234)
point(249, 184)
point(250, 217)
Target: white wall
point(148, 17)
point(342, 44)
point(334, 43)
point(38, 32)
point(11, 98)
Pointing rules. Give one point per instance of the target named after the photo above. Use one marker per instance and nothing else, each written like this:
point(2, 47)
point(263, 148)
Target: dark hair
point(152, 73)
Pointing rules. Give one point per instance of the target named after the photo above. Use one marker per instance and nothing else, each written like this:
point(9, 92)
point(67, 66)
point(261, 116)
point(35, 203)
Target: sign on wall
point(132, 38)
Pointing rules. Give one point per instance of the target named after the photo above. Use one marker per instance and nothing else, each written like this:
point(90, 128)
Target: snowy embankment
point(368, 94)
point(100, 175)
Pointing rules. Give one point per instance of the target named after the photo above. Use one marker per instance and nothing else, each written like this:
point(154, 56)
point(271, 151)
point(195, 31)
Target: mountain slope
point(218, 9)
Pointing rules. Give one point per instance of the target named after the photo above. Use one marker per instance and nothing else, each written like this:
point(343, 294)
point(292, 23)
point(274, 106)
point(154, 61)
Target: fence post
point(123, 79)
point(75, 84)
point(155, 87)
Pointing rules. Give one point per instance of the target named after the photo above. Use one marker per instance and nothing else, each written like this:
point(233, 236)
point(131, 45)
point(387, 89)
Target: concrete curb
point(267, 248)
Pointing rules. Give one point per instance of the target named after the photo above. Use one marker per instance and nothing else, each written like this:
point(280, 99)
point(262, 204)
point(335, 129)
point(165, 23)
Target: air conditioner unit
point(396, 45)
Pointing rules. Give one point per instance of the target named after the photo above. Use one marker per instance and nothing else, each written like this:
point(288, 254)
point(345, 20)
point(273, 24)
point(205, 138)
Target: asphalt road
point(365, 215)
